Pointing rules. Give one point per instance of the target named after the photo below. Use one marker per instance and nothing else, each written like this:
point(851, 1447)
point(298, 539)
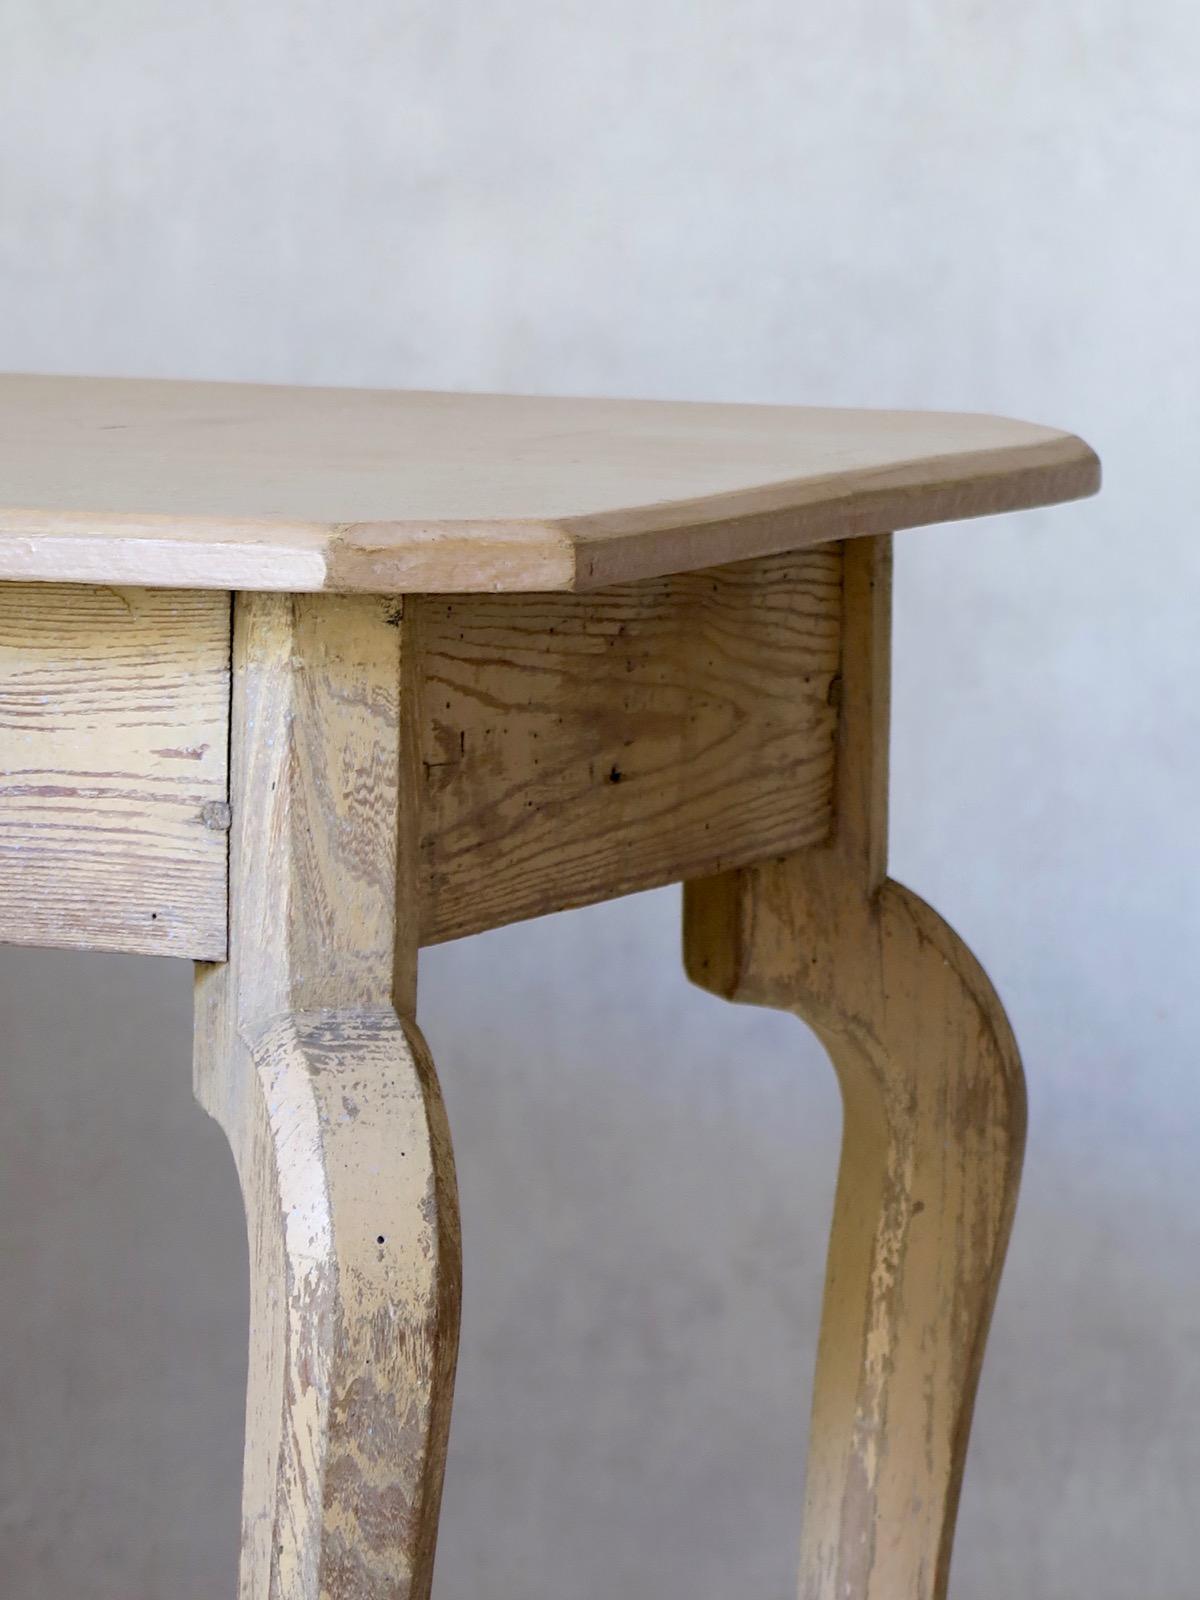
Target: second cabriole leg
point(308, 1056)
point(934, 1123)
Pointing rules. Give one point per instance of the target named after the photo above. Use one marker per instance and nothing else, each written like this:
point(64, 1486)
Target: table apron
point(114, 756)
point(571, 748)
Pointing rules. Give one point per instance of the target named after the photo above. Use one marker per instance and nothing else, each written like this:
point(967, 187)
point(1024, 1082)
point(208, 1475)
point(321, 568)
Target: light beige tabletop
point(239, 486)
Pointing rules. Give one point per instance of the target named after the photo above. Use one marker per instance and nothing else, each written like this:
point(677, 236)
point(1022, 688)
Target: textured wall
point(926, 203)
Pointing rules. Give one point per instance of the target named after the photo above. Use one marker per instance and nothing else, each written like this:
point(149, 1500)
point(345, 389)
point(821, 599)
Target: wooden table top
point(240, 486)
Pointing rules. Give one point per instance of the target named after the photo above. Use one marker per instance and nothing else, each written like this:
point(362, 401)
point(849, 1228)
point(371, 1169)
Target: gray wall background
point(986, 205)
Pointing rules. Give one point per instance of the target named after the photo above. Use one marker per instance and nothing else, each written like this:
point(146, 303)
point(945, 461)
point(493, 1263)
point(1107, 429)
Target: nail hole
point(380, 1240)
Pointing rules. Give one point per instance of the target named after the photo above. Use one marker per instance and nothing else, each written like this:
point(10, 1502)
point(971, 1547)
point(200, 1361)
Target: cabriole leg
point(308, 1057)
point(934, 1123)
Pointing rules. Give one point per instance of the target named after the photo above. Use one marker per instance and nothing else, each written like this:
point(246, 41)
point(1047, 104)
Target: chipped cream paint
point(934, 1122)
point(308, 1057)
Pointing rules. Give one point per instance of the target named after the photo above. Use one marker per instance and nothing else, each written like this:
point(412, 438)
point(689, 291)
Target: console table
point(296, 681)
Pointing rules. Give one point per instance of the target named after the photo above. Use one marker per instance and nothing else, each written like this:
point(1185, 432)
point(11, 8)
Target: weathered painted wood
point(580, 747)
point(934, 1122)
point(407, 772)
point(572, 748)
point(307, 1054)
point(114, 711)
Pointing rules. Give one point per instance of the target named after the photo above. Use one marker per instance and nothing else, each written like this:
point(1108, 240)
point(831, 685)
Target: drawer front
point(114, 739)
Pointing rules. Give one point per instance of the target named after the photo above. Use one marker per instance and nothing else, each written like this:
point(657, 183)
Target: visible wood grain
point(228, 486)
point(581, 747)
point(308, 1056)
point(113, 768)
point(934, 1122)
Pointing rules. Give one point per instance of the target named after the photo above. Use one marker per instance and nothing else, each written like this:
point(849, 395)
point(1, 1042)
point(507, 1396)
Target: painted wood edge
point(195, 943)
point(117, 550)
point(555, 555)
point(797, 516)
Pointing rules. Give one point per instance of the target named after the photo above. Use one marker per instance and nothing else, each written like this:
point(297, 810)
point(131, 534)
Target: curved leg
point(306, 1057)
point(934, 1123)
point(343, 1152)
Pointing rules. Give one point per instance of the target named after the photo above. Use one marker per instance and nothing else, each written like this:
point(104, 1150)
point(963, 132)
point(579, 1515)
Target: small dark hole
point(154, 916)
point(380, 1240)
point(615, 775)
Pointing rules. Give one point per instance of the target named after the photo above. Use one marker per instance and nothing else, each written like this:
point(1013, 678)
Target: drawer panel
point(114, 719)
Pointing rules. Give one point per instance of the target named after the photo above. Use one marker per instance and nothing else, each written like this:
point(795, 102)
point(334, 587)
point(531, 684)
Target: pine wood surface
point(580, 747)
point(114, 711)
point(240, 486)
point(572, 748)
